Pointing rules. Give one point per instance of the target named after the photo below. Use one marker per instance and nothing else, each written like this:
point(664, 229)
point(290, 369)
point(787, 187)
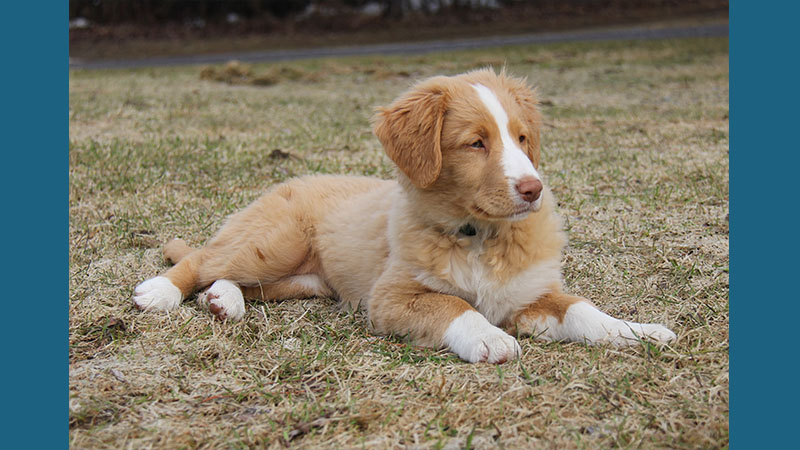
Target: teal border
point(764, 176)
point(35, 190)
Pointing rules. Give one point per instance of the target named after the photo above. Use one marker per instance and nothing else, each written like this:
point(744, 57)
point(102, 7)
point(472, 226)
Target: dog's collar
point(467, 230)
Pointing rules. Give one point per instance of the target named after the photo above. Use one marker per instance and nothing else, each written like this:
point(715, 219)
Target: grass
point(635, 148)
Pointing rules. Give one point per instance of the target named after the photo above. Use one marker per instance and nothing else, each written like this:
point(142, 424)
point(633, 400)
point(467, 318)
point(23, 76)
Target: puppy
point(462, 250)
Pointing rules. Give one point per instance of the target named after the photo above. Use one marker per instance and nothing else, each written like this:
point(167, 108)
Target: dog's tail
point(176, 250)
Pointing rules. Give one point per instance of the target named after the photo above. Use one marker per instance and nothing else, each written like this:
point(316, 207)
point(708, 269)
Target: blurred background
point(136, 29)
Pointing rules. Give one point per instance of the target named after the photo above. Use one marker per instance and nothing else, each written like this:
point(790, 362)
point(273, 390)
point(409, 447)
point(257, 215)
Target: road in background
point(628, 33)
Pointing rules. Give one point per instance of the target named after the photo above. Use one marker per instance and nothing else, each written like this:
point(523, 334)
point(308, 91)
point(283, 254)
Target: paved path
point(638, 32)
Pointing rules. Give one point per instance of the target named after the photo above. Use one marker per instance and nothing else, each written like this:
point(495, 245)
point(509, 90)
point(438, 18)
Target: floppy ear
point(528, 102)
point(410, 130)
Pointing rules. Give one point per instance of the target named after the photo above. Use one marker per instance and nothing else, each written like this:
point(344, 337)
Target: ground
point(635, 148)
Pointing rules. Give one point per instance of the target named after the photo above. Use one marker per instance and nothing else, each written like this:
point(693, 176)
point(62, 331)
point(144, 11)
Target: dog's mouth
point(519, 213)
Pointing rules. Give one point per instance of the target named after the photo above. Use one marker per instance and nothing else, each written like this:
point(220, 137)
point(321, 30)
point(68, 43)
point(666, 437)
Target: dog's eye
point(477, 144)
point(522, 139)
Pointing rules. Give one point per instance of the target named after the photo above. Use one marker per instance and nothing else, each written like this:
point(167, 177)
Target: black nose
point(529, 189)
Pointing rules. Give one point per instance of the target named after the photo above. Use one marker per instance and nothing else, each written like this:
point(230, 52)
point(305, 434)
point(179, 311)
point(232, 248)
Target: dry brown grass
point(635, 147)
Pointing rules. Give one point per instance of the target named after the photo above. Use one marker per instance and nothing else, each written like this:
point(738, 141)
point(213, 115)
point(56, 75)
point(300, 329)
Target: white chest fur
point(471, 279)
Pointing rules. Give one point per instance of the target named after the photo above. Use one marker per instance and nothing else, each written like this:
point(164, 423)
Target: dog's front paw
point(157, 294)
point(224, 299)
point(585, 323)
point(474, 339)
point(656, 332)
point(623, 333)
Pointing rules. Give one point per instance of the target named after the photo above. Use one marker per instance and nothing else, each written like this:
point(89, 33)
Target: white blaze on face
point(516, 164)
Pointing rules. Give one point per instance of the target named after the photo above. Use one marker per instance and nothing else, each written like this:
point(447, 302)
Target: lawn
point(635, 148)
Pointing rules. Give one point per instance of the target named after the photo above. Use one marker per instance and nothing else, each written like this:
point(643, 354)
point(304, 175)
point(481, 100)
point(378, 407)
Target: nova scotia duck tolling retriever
point(461, 251)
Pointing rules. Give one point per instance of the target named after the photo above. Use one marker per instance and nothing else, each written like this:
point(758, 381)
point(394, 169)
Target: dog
point(462, 251)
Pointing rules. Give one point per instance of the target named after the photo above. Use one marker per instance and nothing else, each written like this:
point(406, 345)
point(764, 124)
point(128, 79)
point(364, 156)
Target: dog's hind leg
point(275, 268)
point(225, 299)
point(271, 265)
point(165, 292)
point(296, 286)
point(265, 244)
point(274, 264)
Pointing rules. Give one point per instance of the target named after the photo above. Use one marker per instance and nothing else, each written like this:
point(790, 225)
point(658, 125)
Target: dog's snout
point(529, 189)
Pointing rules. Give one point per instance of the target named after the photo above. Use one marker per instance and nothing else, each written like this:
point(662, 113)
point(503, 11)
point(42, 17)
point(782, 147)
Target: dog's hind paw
point(157, 294)
point(224, 299)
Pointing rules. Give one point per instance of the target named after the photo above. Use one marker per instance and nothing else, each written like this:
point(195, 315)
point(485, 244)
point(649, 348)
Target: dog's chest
point(467, 275)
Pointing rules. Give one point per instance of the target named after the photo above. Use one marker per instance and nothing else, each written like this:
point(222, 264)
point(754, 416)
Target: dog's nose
point(529, 189)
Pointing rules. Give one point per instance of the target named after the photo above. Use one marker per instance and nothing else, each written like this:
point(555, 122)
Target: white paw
point(157, 294)
point(657, 333)
point(474, 339)
point(585, 323)
point(224, 299)
point(625, 333)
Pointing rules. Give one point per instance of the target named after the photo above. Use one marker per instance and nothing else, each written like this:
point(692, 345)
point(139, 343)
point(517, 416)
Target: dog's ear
point(529, 104)
point(410, 130)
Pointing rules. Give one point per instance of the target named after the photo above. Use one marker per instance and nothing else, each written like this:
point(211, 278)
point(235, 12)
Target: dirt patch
point(238, 73)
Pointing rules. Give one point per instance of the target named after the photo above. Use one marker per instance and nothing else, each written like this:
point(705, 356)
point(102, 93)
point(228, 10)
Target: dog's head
point(470, 141)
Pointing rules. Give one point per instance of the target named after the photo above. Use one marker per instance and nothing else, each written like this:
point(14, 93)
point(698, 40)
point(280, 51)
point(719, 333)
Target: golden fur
point(388, 245)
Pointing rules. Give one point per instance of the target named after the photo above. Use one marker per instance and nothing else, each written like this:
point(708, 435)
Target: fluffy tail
point(176, 250)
